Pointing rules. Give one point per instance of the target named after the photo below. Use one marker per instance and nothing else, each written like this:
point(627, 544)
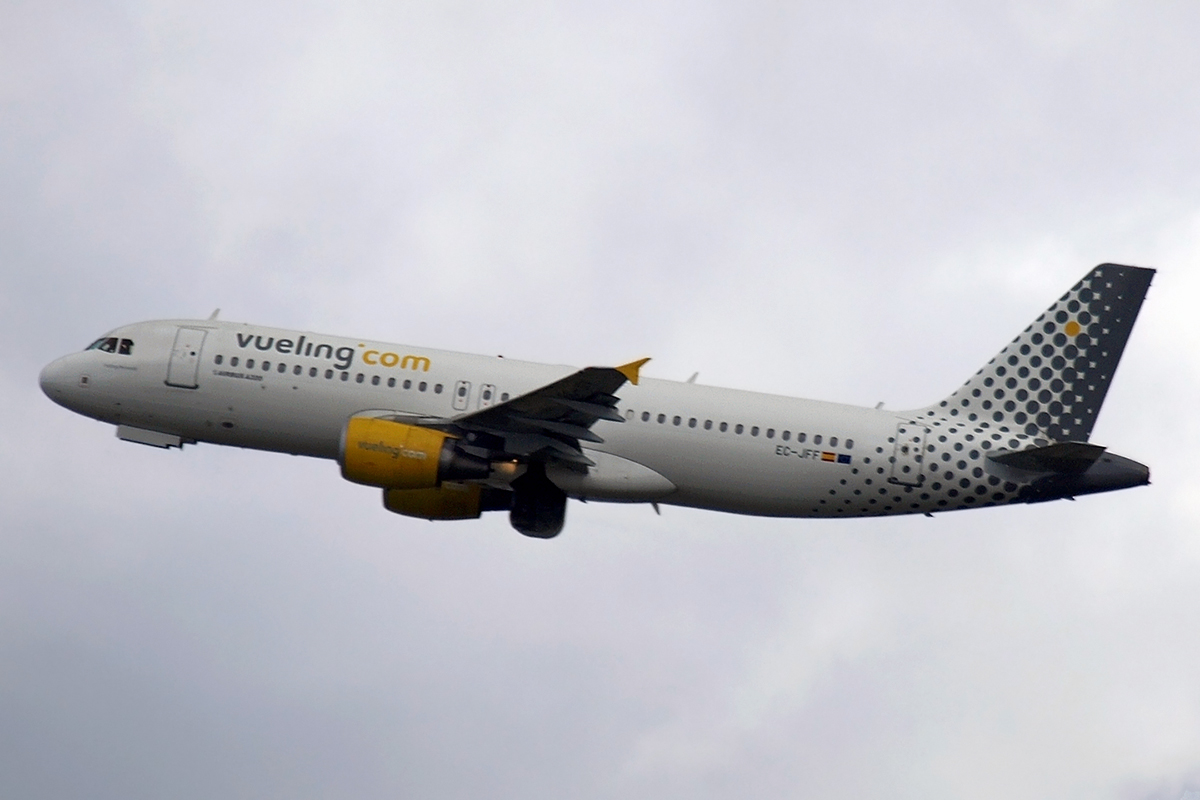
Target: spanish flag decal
point(828, 456)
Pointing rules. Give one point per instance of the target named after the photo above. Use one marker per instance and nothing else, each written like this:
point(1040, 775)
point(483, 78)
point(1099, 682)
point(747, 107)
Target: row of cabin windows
point(739, 429)
point(282, 368)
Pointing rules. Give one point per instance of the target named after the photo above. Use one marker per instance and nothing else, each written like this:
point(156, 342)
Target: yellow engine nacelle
point(379, 452)
point(448, 501)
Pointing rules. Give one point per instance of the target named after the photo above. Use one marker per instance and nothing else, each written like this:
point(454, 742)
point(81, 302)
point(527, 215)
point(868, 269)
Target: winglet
point(630, 370)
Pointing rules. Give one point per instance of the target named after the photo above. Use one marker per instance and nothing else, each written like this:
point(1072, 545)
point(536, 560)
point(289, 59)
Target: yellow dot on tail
point(1072, 328)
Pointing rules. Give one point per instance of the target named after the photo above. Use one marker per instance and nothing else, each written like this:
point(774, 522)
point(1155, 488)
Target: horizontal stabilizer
point(1063, 457)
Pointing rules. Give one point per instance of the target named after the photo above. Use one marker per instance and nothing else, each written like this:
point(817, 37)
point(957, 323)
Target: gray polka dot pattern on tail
point(1051, 380)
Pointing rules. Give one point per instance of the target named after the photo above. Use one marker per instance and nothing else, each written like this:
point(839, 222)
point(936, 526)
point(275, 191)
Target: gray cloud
point(854, 204)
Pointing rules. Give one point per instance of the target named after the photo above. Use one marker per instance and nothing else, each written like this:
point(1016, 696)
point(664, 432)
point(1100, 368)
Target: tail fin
point(1051, 380)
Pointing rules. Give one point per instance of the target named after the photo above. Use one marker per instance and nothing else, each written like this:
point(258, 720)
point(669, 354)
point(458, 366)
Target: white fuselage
point(722, 449)
point(1016, 431)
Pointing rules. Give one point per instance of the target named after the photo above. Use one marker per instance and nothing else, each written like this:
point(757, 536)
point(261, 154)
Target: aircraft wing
point(553, 420)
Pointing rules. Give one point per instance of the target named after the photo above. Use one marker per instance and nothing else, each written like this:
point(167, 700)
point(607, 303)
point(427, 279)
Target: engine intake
point(393, 455)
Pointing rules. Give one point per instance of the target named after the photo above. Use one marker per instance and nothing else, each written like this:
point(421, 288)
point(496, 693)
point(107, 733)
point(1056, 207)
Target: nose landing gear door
point(909, 454)
point(184, 368)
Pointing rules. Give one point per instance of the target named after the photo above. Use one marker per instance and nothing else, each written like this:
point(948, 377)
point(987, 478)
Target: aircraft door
point(462, 395)
point(487, 395)
point(909, 454)
point(184, 367)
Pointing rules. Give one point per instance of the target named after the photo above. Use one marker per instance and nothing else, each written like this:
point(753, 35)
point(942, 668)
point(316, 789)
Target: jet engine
point(448, 501)
point(393, 455)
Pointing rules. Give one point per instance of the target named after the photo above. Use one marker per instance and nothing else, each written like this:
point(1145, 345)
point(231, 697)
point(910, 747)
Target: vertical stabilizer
point(1051, 380)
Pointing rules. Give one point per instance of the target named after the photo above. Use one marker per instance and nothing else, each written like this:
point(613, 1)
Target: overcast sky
point(857, 204)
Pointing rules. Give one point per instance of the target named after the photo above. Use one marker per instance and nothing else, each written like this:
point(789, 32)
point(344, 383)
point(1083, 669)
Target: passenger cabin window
point(218, 359)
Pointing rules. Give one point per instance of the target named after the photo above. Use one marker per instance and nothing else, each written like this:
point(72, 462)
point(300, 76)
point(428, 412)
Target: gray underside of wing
point(549, 423)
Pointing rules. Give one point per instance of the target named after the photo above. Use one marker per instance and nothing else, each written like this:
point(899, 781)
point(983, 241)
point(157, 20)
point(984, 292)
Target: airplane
point(449, 436)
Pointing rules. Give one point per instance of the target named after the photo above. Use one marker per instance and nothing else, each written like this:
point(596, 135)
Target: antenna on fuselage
point(693, 378)
point(214, 314)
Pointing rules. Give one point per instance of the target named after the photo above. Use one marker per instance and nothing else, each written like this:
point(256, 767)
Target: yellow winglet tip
point(630, 370)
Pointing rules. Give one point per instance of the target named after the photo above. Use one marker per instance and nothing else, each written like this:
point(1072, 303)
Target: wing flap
point(550, 422)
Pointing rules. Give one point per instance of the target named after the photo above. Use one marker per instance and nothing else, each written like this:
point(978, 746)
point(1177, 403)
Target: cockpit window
point(108, 344)
point(111, 344)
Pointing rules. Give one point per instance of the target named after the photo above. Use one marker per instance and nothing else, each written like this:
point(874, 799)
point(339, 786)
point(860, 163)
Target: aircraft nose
point(54, 380)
